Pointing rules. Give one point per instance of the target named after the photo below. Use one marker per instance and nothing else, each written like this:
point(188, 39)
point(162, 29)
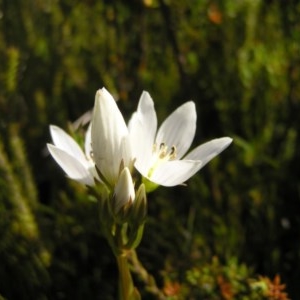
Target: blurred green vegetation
point(237, 219)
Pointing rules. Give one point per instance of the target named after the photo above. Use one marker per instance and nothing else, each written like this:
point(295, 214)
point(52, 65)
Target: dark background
point(238, 218)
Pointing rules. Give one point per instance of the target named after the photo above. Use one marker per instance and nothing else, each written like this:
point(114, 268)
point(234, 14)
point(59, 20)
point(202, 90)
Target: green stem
point(144, 276)
point(126, 287)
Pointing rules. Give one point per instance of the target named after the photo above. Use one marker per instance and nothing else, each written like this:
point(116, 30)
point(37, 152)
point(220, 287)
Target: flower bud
point(124, 195)
point(139, 207)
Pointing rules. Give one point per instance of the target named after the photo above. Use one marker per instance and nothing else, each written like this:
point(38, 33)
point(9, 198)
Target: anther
point(162, 150)
point(173, 152)
point(162, 146)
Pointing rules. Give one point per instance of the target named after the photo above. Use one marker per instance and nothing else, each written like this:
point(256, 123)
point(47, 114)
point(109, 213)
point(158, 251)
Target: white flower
point(124, 193)
point(160, 155)
point(70, 157)
point(110, 138)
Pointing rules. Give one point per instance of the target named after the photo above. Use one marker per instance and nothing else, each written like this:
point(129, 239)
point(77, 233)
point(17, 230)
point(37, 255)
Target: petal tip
point(53, 128)
point(226, 140)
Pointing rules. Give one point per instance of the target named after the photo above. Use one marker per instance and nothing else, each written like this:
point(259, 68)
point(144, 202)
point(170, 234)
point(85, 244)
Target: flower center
point(160, 154)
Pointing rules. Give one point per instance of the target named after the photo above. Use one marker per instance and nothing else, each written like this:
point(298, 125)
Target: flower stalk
point(127, 290)
point(144, 276)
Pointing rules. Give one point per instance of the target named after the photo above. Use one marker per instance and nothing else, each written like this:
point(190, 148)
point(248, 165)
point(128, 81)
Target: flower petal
point(179, 129)
point(142, 128)
point(88, 142)
point(66, 143)
point(72, 167)
point(108, 131)
point(175, 172)
point(209, 150)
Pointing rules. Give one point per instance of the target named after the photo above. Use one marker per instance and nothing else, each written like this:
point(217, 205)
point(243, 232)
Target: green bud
point(135, 236)
point(139, 207)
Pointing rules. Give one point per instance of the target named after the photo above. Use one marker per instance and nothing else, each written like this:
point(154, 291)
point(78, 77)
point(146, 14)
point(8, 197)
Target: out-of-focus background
point(238, 220)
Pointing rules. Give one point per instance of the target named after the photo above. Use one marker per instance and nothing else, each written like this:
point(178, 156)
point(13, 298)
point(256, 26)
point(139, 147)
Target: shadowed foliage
point(238, 218)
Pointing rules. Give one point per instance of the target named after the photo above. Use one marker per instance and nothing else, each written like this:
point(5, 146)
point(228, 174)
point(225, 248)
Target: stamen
point(162, 146)
point(173, 152)
point(162, 150)
point(160, 155)
point(163, 153)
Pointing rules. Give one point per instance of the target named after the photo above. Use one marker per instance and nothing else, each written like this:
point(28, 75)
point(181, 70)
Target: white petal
point(179, 129)
point(72, 167)
point(175, 172)
point(65, 142)
point(88, 142)
point(125, 151)
point(142, 128)
point(124, 190)
point(209, 150)
point(82, 120)
point(108, 131)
